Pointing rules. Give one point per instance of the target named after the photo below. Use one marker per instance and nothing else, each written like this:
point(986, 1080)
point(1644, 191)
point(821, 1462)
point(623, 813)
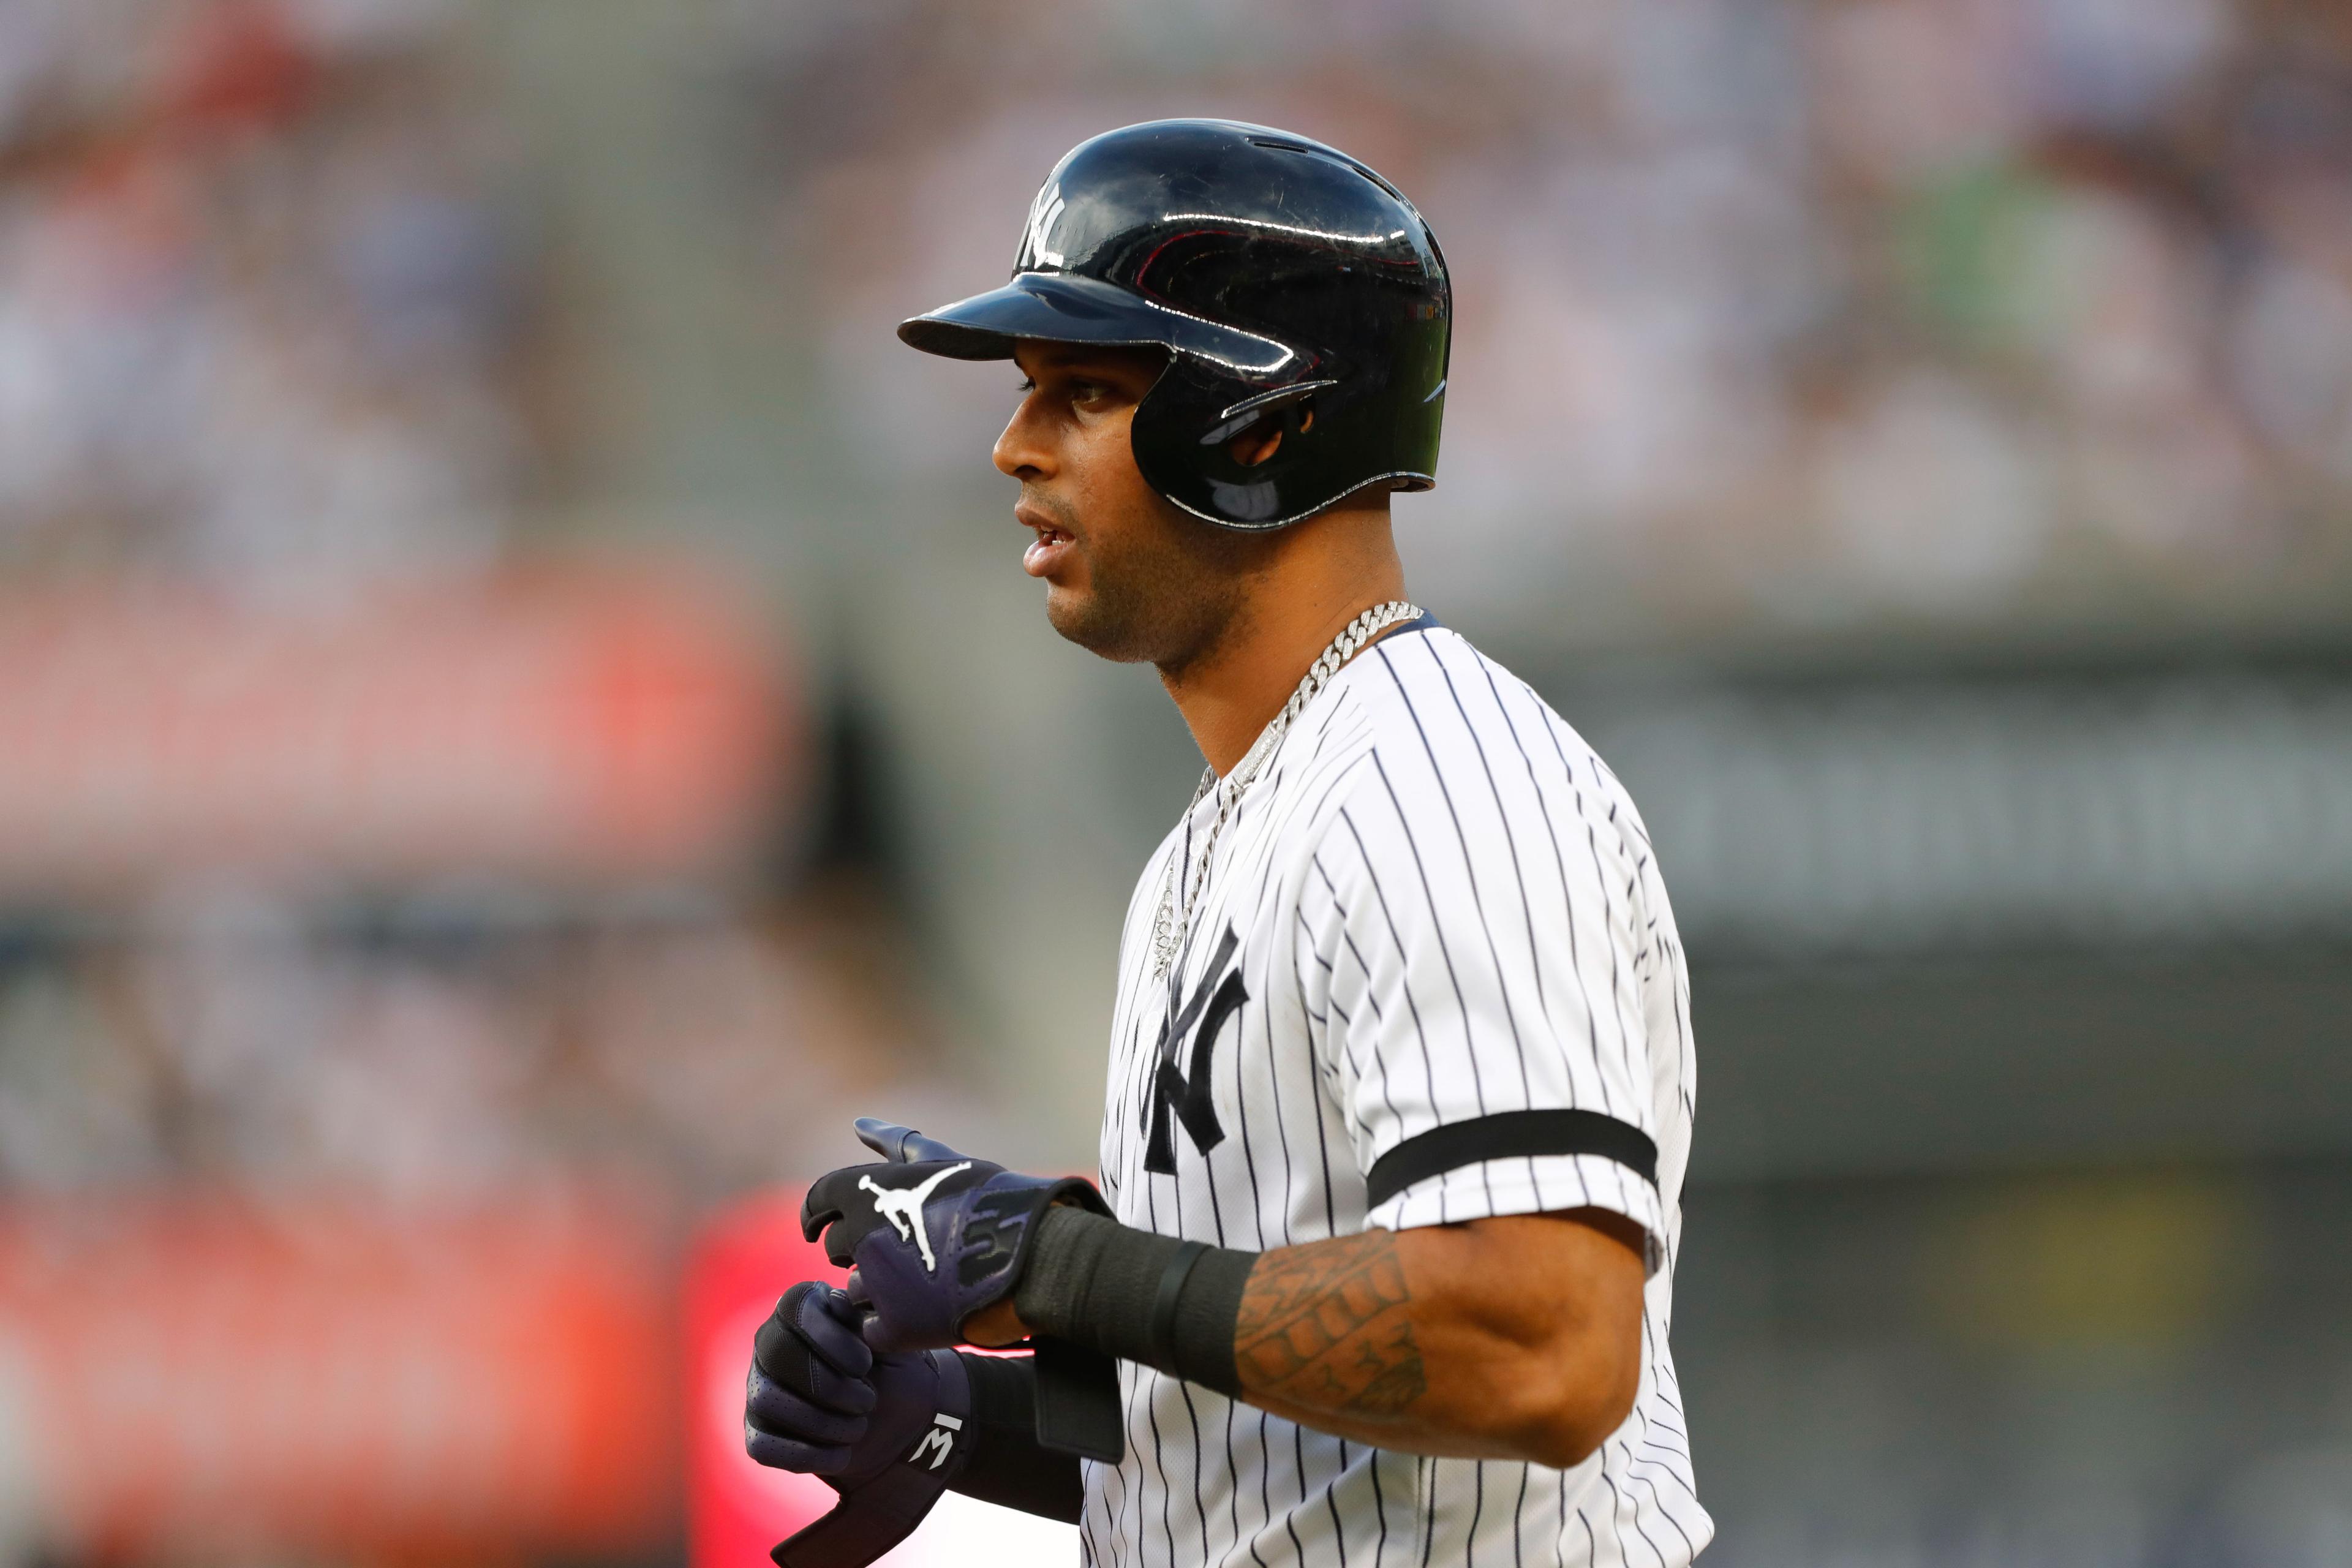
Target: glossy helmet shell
point(1285, 280)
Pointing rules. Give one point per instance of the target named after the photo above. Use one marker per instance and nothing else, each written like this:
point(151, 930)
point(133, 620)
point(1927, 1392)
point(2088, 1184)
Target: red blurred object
point(736, 1509)
point(567, 726)
point(213, 1377)
point(238, 64)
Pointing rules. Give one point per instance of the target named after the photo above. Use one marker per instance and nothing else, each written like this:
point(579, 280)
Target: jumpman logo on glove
point(933, 1235)
point(903, 1208)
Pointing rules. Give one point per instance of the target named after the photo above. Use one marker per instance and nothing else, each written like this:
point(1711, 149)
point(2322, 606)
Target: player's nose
point(1022, 451)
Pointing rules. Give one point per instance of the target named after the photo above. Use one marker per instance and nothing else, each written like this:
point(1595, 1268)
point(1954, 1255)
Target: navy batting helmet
point(1285, 280)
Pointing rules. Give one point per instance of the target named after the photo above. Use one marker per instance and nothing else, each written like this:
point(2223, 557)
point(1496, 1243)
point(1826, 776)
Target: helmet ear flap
point(1294, 405)
point(1187, 428)
point(1263, 437)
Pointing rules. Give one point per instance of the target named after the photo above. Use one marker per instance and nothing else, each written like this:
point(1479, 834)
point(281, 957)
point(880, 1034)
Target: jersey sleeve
point(1468, 943)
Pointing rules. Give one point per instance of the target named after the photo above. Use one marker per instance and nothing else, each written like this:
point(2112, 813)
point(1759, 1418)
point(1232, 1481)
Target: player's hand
point(819, 1402)
point(995, 1327)
point(935, 1237)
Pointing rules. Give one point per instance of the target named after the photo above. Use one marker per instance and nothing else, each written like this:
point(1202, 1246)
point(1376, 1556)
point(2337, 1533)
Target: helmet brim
point(1062, 308)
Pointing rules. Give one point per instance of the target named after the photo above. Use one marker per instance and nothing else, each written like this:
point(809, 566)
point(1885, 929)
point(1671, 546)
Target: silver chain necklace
point(1174, 920)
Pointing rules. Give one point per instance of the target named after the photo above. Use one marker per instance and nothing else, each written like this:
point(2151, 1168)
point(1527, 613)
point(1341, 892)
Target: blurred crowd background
point(520, 717)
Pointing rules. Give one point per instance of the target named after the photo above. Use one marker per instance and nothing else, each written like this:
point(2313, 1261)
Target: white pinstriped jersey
point(1433, 910)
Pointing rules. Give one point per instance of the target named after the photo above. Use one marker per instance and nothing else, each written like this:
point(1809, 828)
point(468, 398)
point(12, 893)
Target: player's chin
point(1081, 617)
point(1072, 610)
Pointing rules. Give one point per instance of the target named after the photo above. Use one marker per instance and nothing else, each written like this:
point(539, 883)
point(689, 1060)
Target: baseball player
point(1380, 1266)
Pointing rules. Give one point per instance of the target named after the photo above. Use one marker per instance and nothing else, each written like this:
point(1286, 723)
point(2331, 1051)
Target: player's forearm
point(1514, 1339)
point(1479, 1342)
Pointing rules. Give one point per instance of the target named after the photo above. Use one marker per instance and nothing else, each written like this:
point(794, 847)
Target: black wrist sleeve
point(1005, 1465)
point(1126, 1292)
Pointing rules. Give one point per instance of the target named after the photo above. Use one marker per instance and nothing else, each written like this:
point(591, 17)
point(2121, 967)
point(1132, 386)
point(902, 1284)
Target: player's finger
point(786, 1453)
point(827, 1200)
point(827, 1320)
point(901, 1145)
point(806, 1348)
point(812, 1318)
point(772, 1408)
point(789, 1365)
point(884, 1336)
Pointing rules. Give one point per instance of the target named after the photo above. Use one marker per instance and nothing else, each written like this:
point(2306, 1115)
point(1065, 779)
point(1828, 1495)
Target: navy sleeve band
point(1172, 1274)
point(1135, 1295)
point(1511, 1136)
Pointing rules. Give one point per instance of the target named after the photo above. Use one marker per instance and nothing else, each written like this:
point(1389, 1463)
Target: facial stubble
point(1164, 590)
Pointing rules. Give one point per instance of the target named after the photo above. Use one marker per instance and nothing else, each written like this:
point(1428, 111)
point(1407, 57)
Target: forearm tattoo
point(1327, 1325)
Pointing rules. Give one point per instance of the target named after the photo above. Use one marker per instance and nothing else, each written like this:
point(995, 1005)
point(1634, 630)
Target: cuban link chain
point(1174, 918)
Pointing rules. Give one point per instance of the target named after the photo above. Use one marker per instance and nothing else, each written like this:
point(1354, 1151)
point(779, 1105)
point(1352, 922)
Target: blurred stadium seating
point(517, 718)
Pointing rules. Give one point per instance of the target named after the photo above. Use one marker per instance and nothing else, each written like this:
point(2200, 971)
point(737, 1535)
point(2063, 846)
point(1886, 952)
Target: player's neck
point(1339, 565)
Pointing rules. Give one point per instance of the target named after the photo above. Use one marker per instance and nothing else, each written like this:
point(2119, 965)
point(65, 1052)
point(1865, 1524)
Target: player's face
point(1127, 575)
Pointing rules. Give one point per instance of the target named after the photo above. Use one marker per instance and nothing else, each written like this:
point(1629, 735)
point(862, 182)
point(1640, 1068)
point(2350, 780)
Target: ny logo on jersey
point(1218, 997)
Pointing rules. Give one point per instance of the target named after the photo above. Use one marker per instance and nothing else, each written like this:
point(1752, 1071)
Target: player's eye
point(1028, 384)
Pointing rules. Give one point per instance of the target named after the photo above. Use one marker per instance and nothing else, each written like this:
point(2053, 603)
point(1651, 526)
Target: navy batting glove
point(806, 1409)
point(934, 1235)
point(811, 1391)
point(889, 1432)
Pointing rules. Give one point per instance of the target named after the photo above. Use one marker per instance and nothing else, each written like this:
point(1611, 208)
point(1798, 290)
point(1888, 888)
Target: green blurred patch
point(2123, 1261)
point(1977, 256)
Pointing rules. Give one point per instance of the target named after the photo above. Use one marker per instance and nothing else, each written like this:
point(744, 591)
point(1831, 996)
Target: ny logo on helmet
point(1044, 213)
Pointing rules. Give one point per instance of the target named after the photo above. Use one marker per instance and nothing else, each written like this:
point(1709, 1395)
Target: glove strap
point(1077, 1402)
point(1077, 1385)
point(876, 1514)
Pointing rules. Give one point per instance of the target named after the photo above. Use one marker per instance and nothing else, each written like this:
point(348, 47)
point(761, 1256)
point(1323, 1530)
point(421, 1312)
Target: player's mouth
point(1052, 543)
